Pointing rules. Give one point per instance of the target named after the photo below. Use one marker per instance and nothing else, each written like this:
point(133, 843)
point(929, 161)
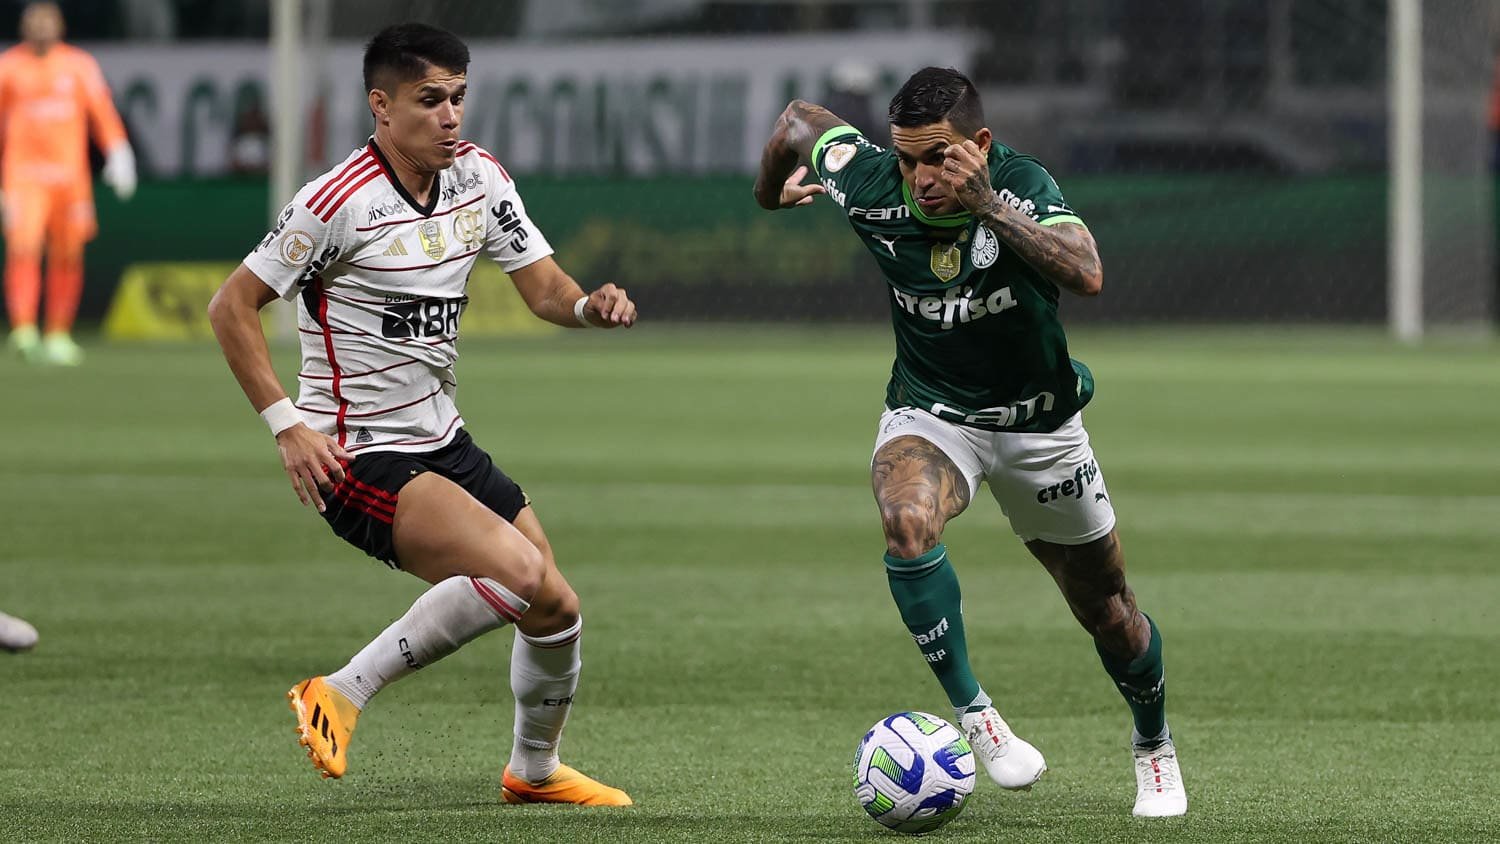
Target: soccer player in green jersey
point(975, 241)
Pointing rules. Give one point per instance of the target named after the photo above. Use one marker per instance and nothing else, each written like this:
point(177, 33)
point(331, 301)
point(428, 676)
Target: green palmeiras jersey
point(978, 341)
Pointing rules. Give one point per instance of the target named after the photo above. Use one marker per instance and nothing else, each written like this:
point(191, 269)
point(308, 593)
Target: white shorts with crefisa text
point(1048, 485)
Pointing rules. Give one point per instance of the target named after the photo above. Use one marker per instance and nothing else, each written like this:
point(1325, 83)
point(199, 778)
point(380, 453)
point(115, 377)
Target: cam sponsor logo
point(1002, 416)
point(986, 248)
point(296, 248)
point(1084, 477)
point(959, 305)
point(462, 186)
point(934, 634)
point(557, 701)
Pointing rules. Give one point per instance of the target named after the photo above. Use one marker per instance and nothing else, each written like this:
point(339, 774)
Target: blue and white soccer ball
point(913, 772)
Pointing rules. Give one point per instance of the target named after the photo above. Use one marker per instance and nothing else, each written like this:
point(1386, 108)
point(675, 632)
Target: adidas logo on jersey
point(397, 248)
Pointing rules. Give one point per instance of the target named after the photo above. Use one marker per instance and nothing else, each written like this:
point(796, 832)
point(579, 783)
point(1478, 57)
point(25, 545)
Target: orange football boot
point(325, 723)
point(566, 785)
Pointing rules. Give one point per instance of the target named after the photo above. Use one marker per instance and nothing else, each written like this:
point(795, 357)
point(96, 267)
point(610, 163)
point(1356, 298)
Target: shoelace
point(980, 738)
point(1157, 773)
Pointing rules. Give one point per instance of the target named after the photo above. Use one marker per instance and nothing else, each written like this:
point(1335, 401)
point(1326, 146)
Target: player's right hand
point(314, 462)
point(794, 193)
point(119, 171)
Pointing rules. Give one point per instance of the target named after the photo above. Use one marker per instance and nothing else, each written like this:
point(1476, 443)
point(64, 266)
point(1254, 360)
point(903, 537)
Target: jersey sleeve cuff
point(823, 141)
point(1061, 218)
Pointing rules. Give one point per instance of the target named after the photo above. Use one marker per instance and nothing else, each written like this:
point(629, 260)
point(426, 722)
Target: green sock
point(926, 592)
point(1143, 684)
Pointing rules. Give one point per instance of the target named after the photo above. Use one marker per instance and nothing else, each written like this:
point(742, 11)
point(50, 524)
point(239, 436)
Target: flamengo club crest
point(986, 248)
point(468, 226)
point(431, 235)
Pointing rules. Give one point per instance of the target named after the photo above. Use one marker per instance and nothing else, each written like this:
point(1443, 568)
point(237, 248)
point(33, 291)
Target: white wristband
point(281, 415)
point(578, 312)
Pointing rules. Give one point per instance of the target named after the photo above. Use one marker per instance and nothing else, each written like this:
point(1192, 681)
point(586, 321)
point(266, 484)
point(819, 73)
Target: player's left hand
point(609, 307)
point(794, 193)
point(966, 171)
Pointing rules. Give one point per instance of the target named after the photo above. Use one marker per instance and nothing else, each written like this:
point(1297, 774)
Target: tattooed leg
point(1092, 580)
point(919, 489)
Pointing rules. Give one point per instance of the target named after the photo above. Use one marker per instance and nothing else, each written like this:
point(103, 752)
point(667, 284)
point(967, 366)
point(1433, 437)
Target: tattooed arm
point(798, 128)
point(1064, 254)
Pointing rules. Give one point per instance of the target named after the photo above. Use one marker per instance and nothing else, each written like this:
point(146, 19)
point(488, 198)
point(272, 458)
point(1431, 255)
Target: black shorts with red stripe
point(362, 509)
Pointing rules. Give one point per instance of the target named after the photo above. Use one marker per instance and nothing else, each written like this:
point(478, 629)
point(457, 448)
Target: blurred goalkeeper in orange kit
point(51, 93)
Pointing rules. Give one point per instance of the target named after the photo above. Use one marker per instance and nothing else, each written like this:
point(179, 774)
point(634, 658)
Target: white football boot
point(15, 634)
point(1010, 761)
point(1158, 779)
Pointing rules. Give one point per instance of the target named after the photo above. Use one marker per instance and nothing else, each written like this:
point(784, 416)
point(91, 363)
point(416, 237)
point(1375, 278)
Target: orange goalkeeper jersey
point(47, 103)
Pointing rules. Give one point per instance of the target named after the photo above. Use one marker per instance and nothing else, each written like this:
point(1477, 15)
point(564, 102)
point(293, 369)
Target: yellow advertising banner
point(169, 301)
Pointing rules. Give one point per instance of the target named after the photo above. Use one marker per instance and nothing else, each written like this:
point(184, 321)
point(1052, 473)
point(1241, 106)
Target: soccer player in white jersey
point(377, 253)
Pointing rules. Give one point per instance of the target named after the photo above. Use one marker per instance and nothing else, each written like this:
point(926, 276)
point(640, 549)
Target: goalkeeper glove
point(119, 171)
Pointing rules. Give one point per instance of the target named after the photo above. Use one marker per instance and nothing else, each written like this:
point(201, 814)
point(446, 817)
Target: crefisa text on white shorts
point(1048, 485)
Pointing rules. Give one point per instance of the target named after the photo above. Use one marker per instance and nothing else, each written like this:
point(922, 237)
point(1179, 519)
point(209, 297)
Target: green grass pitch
point(1313, 517)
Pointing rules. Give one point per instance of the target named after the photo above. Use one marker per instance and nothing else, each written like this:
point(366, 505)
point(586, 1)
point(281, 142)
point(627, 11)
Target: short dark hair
point(401, 52)
point(933, 94)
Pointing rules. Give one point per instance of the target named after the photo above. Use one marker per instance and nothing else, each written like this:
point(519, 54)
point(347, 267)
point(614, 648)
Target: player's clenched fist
point(313, 462)
point(608, 307)
point(966, 171)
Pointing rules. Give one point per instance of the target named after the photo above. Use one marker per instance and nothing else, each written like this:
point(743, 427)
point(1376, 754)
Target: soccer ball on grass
point(913, 772)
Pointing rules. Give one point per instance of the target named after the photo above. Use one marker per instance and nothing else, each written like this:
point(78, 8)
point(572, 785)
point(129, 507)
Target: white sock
point(439, 622)
point(980, 701)
point(1150, 742)
point(543, 677)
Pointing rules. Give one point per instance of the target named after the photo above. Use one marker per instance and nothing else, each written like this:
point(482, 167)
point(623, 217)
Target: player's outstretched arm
point(779, 183)
point(1064, 253)
point(554, 296)
point(311, 459)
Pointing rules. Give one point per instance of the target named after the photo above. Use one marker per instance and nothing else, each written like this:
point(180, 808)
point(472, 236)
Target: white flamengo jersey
point(382, 284)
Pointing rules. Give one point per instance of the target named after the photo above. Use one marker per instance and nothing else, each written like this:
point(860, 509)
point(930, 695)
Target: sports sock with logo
point(543, 677)
point(1142, 681)
point(927, 594)
point(439, 622)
